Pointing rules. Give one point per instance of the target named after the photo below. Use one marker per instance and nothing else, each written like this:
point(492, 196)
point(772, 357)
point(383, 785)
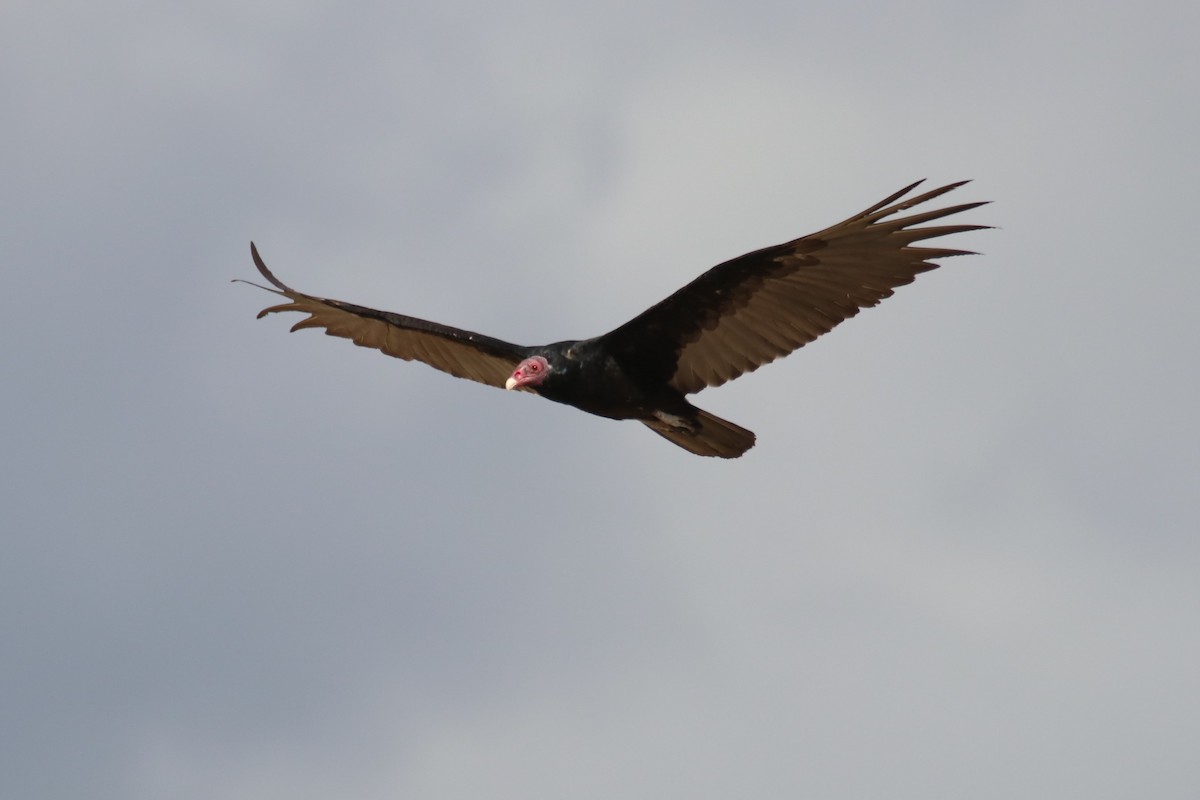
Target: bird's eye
point(534, 367)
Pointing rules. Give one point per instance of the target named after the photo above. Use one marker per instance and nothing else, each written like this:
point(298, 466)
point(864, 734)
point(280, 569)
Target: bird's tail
point(704, 434)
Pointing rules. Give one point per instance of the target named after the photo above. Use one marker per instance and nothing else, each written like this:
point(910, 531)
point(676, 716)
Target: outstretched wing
point(758, 307)
point(461, 353)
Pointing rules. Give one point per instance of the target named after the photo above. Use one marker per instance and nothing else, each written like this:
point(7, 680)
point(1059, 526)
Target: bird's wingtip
point(266, 273)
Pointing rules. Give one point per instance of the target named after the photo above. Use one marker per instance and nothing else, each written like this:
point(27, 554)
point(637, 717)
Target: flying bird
point(731, 320)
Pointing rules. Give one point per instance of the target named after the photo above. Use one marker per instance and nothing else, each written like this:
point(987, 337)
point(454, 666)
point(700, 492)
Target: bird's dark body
point(732, 319)
point(587, 375)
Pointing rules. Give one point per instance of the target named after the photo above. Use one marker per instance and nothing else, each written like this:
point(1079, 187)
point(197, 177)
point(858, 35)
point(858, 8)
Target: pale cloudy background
point(963, 560)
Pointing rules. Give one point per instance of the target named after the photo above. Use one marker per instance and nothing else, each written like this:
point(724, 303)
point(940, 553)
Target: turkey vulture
point(731, 320)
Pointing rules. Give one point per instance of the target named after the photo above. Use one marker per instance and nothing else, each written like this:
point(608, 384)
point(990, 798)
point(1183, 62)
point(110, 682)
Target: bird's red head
point(529, 374)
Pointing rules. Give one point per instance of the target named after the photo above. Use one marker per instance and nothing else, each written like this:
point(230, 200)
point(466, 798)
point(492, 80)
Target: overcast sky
point(962, 561)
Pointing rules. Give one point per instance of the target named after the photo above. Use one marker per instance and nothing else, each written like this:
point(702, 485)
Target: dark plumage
point(731, 320)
